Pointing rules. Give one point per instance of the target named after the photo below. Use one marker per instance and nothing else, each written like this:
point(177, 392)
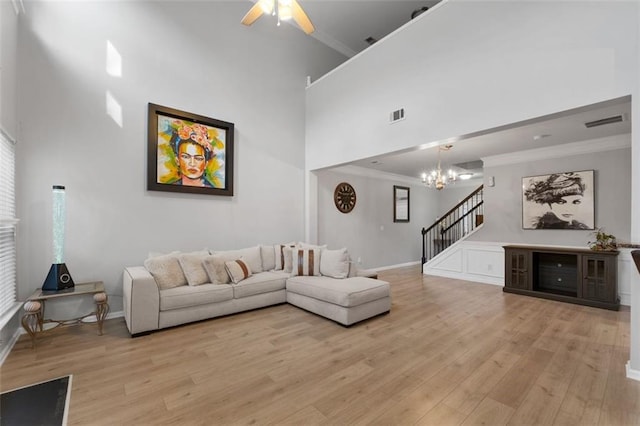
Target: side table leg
point(102, 309)
point(31, 320)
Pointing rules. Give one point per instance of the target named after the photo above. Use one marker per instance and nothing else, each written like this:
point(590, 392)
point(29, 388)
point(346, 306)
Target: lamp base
point(58, 278)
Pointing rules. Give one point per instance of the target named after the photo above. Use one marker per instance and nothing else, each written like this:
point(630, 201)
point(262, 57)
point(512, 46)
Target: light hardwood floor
point(449, 353)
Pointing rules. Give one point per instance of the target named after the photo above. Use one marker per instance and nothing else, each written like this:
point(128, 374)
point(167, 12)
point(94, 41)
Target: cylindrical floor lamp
point(58, 277)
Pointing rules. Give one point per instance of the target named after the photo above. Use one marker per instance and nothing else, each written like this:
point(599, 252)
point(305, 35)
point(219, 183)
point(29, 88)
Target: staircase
point(458, 222)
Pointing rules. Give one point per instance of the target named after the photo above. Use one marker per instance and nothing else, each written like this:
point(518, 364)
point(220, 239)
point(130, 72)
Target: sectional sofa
point(178, 288)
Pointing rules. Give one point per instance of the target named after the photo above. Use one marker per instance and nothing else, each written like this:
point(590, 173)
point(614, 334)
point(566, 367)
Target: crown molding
point(377, 174)
point(558, 151)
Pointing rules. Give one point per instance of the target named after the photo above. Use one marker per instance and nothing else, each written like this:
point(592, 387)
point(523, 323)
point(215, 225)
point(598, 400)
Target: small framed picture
point(400, 203)
point(189, 153)
point(558, 201)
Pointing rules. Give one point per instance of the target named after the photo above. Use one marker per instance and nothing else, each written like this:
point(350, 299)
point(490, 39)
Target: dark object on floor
point(40, 404)
point(636, 258)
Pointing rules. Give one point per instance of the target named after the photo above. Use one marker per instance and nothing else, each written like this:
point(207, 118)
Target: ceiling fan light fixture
point(285, 11)
point(267, 6)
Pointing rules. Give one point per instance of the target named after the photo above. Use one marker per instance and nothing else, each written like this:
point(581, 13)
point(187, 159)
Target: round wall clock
point(345, 197)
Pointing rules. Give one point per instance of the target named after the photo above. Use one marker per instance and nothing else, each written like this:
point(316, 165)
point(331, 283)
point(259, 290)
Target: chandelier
point(437, 178)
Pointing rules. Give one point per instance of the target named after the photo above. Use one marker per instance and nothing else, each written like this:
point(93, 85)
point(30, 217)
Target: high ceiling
point(345, 26)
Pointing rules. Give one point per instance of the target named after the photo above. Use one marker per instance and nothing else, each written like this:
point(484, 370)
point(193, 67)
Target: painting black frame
point(398, 208)
point(586, 207)
point(154, 111)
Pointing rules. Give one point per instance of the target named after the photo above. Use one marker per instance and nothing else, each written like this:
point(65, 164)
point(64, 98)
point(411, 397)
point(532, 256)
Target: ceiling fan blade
point(253, 14)
point(301, 18)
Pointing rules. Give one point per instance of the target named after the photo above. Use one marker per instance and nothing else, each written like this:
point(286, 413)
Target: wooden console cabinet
point(581, 276)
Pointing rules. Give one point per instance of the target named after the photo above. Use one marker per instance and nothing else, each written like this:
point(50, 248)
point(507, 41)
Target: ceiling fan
point(283, 9)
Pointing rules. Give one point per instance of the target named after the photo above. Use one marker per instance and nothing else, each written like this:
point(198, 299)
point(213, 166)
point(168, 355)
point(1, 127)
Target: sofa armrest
point(141, 300)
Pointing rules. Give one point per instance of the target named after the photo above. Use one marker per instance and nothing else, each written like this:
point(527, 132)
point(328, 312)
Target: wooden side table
point(33, 319)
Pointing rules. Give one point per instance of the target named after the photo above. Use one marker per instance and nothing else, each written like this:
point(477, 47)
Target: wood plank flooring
point(449, 353)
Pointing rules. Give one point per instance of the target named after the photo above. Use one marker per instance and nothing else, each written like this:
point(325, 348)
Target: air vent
point(397, 115)
point(608, 120)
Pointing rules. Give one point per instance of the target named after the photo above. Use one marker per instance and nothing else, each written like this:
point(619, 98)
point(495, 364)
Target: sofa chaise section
point(345, 301)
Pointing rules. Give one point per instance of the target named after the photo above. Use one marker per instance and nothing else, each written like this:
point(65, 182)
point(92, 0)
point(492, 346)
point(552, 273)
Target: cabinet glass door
point(595, 279)
point(519, 270)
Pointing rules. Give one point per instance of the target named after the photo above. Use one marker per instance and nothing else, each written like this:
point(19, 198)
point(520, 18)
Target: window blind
point(8, 224)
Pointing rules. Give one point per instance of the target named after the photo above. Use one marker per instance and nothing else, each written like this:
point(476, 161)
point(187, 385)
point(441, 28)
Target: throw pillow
point(305, 261)
point(166, 271)
point(280, 257)
point(238, 270)
point(268, 254)
point(311, 246)
point(335, 263)
point(214, 265)
point(191, 264)
point(250, 255)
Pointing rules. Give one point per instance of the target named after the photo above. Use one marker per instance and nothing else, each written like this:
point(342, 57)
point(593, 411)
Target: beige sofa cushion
point(250, 255)
point(187, 296)
point(335, 263)
point(191, 264)
point(216, 271)
point(268, 254)
point(348, 292)
point(264, 282)
point(166, 271)
point(305, 262)
point(238, 270)
point(280, 252)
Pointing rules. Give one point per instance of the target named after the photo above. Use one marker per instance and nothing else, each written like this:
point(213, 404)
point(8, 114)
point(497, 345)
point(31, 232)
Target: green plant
point(603, 241)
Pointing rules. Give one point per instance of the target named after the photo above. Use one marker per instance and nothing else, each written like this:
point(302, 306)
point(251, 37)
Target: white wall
point(466, 66)
point(8, 124)
point(634, 357)
point(8, 78)
point(612, 177)
point(453, 194)
point(193, 56)
point(369, 231)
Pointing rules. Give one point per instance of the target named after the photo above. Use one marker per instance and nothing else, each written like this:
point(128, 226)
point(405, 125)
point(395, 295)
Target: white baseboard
point(399, 265)
point(466, 277)
point(6, 349)
point(631, 373)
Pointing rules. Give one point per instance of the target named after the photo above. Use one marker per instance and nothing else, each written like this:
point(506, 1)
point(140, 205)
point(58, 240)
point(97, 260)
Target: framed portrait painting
point(189, 153)
point(558, 201)
point(400, 203)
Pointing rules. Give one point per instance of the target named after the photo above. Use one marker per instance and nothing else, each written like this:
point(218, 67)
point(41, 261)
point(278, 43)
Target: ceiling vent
point(608, 120)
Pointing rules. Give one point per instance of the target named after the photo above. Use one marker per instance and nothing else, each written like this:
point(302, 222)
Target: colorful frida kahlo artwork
point(190, 154)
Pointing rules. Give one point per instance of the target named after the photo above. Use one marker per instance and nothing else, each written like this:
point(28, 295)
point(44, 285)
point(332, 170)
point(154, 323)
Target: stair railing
point(463, 218)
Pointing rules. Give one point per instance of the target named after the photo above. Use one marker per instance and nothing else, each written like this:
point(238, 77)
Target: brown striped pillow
point(238, 270)
point(281, 259)
point(305, 262)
